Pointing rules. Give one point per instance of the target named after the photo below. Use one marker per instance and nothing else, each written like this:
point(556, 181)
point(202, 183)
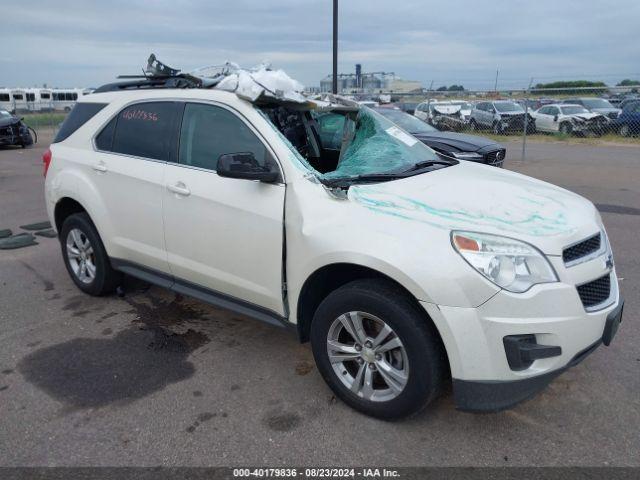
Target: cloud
point(80, 43)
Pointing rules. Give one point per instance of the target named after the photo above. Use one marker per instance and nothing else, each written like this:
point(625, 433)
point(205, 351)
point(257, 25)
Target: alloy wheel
point(80, 256)
point(367, 356)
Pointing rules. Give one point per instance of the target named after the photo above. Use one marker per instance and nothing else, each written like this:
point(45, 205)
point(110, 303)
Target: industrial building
point(371, 82)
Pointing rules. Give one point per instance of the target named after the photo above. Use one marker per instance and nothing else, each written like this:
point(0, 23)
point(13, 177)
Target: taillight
point(46, 160)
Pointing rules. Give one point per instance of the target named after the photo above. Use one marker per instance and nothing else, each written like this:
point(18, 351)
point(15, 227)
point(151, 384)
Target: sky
point(85, 44)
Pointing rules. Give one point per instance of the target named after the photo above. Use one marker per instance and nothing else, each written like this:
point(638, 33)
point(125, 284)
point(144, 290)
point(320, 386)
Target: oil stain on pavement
point(89, 373)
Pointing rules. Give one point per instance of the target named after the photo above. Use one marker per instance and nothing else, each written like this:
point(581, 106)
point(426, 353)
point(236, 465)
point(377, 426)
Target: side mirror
point(555, 118)
point(245, 166)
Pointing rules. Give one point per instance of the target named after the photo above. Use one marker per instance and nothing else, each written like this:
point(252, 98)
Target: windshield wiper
point(370, 177)
point(430, 163)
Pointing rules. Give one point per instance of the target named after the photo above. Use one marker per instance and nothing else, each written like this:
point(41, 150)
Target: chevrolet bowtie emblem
point(608, 263)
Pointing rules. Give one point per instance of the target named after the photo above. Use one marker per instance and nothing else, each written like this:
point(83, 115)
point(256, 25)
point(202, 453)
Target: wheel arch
point(65, 207)
point(330, 277)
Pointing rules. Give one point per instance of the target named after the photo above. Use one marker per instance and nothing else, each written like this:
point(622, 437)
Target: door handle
point(179, 189)
point(100, 167)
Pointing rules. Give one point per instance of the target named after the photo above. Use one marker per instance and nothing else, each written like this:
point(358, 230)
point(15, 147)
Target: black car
point(451, 144)
point(13, 131)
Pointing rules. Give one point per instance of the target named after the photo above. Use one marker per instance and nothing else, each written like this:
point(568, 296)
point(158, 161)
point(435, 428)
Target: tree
point(628, 83)
point(564, 87)
point(441, 89)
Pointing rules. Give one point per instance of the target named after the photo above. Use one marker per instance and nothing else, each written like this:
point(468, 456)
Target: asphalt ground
point(157, 379)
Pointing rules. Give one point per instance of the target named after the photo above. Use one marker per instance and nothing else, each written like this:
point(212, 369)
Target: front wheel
point(85, 256)
point(566, 128)
point(377, 350)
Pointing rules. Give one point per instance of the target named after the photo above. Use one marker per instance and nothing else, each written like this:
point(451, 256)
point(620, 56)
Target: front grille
point(595, 292)
point(495, 158)
point(6, 131)
point(582, 249)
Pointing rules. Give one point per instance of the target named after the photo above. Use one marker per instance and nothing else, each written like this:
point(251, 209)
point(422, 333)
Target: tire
point(497, 128)
point(565, 128)
point(419, 358)
point(473, 126)
point(625, 131)
point(97, 277)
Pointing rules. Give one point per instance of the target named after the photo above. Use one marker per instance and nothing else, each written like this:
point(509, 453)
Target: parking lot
point(152, 378)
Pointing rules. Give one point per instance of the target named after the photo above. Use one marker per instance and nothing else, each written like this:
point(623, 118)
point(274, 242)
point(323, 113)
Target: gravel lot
point(156, 379)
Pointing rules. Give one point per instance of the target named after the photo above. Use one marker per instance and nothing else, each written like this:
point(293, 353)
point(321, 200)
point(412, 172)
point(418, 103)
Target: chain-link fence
point(610, 114)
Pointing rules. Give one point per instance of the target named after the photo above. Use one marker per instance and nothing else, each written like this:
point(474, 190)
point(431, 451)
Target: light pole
point(335, 47)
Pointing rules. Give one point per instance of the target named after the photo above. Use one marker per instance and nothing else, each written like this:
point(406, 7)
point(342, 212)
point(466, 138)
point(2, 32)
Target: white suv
point(401, 268)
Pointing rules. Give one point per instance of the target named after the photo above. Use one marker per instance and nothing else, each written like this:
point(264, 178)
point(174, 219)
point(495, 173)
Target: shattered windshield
point(343, 145)
point(379, 146)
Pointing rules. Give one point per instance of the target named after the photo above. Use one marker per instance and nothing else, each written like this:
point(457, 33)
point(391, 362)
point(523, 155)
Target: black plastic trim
point(522, 351)
point(202, 293)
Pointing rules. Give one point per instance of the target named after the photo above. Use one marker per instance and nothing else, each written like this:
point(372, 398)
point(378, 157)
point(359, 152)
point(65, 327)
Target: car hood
point(480, 198)
point(446, 109)
point(5, 122)
point(459, 141)
point(585, 116)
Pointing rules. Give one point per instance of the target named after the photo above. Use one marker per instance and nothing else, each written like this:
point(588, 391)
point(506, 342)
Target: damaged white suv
point(403, 269)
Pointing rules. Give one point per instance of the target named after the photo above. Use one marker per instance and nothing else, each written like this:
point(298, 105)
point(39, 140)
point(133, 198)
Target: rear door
point(223, 234)
point(128, 171)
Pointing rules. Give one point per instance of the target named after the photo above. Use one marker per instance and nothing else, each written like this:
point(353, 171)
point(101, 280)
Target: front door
point(221, 233)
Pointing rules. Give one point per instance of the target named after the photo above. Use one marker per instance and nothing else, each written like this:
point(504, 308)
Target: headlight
point(511, 264)
point(467, 155)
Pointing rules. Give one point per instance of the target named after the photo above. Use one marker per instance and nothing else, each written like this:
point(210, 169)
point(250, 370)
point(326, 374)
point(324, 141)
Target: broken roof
point(261, 84)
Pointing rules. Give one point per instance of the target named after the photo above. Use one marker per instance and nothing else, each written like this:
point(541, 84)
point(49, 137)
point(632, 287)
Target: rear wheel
point(375, 349)
point(497, 128)
point(85, 256)
point(625, 131)
point(473, 126)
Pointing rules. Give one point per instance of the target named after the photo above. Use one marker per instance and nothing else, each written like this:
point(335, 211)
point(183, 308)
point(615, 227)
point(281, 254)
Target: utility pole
point(335, 47)
point(495, 86)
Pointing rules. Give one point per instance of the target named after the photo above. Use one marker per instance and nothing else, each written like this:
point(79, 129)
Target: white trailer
point(65, 99)
point(39, 99)
point(6, 100)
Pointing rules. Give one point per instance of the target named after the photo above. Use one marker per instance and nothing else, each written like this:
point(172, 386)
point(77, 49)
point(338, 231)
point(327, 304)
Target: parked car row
point(581, 116)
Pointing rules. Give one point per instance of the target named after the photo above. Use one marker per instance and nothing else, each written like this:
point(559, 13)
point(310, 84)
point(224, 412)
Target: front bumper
point(494, 396)
point(484, 378)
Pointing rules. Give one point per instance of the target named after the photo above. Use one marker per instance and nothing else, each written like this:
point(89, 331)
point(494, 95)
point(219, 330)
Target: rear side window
point(145, 130)
point(80, 114)
point(104, 140)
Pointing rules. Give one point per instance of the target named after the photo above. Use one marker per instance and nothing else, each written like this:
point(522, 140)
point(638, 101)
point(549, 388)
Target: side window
point(146, 130)
point(208, 132)
point(544, 110)
point(482, 107)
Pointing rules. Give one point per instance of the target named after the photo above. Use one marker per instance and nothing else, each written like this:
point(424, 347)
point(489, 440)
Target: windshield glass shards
point(379, 146)
point(353, 145)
